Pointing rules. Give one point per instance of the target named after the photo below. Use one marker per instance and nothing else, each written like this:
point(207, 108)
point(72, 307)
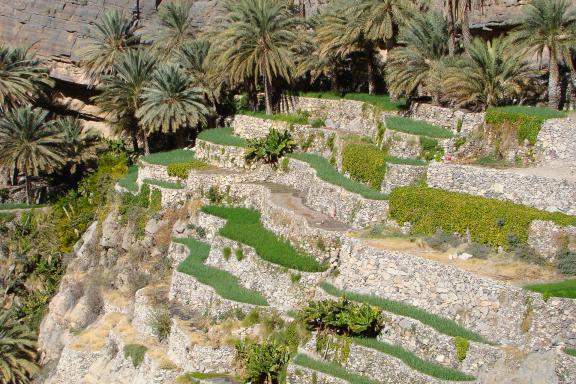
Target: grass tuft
point(222, 136)
point(417, 127)
point(442, 325)
point(413, 361)
point(566, 289)
point(381, 101)
point(164, 184)
point(244, 225)
point(570, 351)
point(331, 369)
point(170, 157)
point(224, 283)
point(404, 161)
point(7, 207)
point(327, 172)
point(129, 181)
point(136, 353)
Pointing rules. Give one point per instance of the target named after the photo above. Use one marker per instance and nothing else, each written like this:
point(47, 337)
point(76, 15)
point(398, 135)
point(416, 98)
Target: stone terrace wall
point(502, 313)
point(557, 141)
point(399, 175)
point(346, 115)
point(250, 127)
point(447, 117)
point(551, 194)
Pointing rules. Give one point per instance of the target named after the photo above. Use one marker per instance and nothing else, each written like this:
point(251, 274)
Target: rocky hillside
point(200, 254)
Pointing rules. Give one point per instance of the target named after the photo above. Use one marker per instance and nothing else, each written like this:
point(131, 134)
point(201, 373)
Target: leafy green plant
point(227, 252)
point(430, 150)
point(489, 221)
point(136, 353)
point(239, 254)
point(343, 317)
point(566, 262)
point(264, 362)
point(270, 148)
point(285, 164)
point(461, 345)
point(18, 350)
point(182, 170)
point(364, 162)
point(318, 123)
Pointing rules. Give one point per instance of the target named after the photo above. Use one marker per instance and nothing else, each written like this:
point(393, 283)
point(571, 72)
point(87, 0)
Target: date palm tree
point(22, 77)
point(170, 101)
point(172, 28)
point(121, 93)
point(423, 44)
point(17, 351)
point(490, 73)
point(76, 141)
point(29, 143)
point(255, 39)
point(113, 34)
point(362, 26)
point(192, 58)
point(550, 26)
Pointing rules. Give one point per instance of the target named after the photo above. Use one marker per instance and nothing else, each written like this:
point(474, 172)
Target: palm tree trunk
point(572, 90)
point(466, 35)
point(448, 10)
point(15, 173)
point(371, 75)
point(267, 94)
point(553, 80)
point(145, 140)
point(333, 82)
point(27, 184)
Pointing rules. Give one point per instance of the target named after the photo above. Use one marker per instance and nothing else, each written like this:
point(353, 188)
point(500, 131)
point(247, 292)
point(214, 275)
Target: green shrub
point(160, 321)
point(262, 363)
point(382, 102)
point(489, 221)
point(270, 148)
point(479, 251)
point(365, 163)
point(566, 262)
point(318, 123)
point(227, 252)
point(417, 127)
point(570, 351)
point(461, 345)
point(442, 241)
point(182, 170)
point(136, 353)
point(239, 254)
point(285, 164)
point(343, 317)
point(527, 121)
point(430, 150)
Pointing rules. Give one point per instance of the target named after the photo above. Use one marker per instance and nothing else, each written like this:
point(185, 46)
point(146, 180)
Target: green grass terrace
point(9, 207)
point(171, 157)
point(330, 174)
point(417, 127)
point(223, 282)
point(222, 136)
point(244, 225)
point(566, 289)
point(380, 101)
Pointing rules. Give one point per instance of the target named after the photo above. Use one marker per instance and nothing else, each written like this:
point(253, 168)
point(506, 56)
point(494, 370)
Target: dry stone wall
point(498, 311)
point(549, 238)
point(457, 121)
point(547, 193)
point(557, 141)
point(399, 175)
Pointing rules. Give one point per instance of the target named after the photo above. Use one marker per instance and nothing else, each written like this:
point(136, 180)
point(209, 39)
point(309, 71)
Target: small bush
point(566, 262)
point(430, 149)
point(479, 251)
point(262, 363)
point(442, 241)
point(461, 345)
point(489, 221)
point(182, 170)
point(136, 353)
point(527, 254)
point(227, 252)
point(295, 277)
point(252, 318)
point(285, 164)
point(343, 317)
point(160, 322)
point(270, 148)
point(318, 123)
point(239, 254)
point(365, 163)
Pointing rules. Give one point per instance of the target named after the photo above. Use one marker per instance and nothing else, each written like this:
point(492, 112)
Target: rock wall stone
point(457, 121)
point(547, 193)
point(399, 175)
point(556, 141)
point(500, 312)
point(548, 238)
point(402, 144)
